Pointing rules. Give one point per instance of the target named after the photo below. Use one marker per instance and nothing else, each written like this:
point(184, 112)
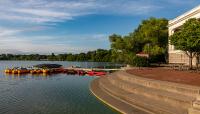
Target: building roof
point(142, 54)
point(185, 16)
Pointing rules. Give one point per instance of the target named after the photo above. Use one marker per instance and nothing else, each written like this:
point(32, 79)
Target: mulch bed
point(184, 77)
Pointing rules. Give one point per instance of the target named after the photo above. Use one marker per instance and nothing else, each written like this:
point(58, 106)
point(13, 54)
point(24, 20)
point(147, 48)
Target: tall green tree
point(151, 36)
point(187, 39)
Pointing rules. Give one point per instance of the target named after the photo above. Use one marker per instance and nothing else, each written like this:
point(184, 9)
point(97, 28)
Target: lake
point(53, 94)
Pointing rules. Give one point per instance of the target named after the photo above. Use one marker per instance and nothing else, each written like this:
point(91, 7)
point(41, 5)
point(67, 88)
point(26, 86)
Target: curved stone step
point(161, 85)
point(169, 97)
point(144, 102)
point(112, 101)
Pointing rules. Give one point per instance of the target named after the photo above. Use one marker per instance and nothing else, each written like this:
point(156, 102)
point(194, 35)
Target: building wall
point(178, 56)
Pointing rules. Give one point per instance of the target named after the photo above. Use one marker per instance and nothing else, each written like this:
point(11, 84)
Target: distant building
point(178, 56)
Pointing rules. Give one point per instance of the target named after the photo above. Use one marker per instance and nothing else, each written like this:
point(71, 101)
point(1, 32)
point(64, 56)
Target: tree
point(187, 39)
point(153, 35)
point(150, 36)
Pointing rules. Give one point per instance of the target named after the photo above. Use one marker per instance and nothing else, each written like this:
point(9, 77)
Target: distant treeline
point(99, 55)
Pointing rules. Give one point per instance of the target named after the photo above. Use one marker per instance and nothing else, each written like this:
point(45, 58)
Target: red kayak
point(93, 73)
point(100, 73)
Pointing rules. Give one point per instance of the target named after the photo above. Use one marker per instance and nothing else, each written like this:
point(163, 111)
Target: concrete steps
point(174, 99)
point(113, 101)
point(161, 85)
point(153, 96)
point(153, 106)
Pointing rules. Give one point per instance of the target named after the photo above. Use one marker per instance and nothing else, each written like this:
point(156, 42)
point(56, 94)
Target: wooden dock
point(93, 69)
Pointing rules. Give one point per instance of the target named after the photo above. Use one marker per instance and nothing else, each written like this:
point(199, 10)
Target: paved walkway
point(183, 77)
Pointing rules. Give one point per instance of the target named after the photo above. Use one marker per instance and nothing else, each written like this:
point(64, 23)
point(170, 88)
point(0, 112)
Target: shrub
point(140, 62)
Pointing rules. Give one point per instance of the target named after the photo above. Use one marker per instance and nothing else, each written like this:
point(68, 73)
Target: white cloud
point(13, 41)
point(28, 46)
point(44, 11)
point(7, 32)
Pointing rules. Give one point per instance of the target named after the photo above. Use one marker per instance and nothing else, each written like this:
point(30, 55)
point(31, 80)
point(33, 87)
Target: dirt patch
point(184, 77)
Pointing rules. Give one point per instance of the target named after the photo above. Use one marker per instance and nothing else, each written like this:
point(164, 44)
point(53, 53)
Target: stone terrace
point(150, 90)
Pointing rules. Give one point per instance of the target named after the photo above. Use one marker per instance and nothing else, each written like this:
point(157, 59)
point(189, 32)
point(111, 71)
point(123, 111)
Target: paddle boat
point(17, 70)
point(36, 71)
point(22, 70)
point(45, 71)
point(8, 70)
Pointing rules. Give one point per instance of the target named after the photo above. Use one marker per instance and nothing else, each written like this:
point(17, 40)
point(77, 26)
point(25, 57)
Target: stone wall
point(180, 58)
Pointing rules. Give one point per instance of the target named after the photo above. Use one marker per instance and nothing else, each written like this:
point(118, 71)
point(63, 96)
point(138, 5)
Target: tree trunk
point(197, 60)
point(190, 60)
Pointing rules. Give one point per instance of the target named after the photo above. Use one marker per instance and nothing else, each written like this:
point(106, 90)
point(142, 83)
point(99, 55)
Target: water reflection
point(47, 94)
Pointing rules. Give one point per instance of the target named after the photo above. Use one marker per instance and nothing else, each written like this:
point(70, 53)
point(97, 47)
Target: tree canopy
point(151, 36)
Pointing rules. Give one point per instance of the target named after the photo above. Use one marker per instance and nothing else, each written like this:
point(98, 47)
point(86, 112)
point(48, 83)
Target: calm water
point(55, 94)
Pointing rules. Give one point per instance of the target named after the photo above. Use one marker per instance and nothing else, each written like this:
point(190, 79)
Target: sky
point(74, 26)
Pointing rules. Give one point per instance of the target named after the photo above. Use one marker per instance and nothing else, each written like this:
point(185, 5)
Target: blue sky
point(64, 26)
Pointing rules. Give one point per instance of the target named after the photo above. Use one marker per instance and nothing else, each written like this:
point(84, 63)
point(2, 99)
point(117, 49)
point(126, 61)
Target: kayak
point(100, 73)
point(96, 73)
